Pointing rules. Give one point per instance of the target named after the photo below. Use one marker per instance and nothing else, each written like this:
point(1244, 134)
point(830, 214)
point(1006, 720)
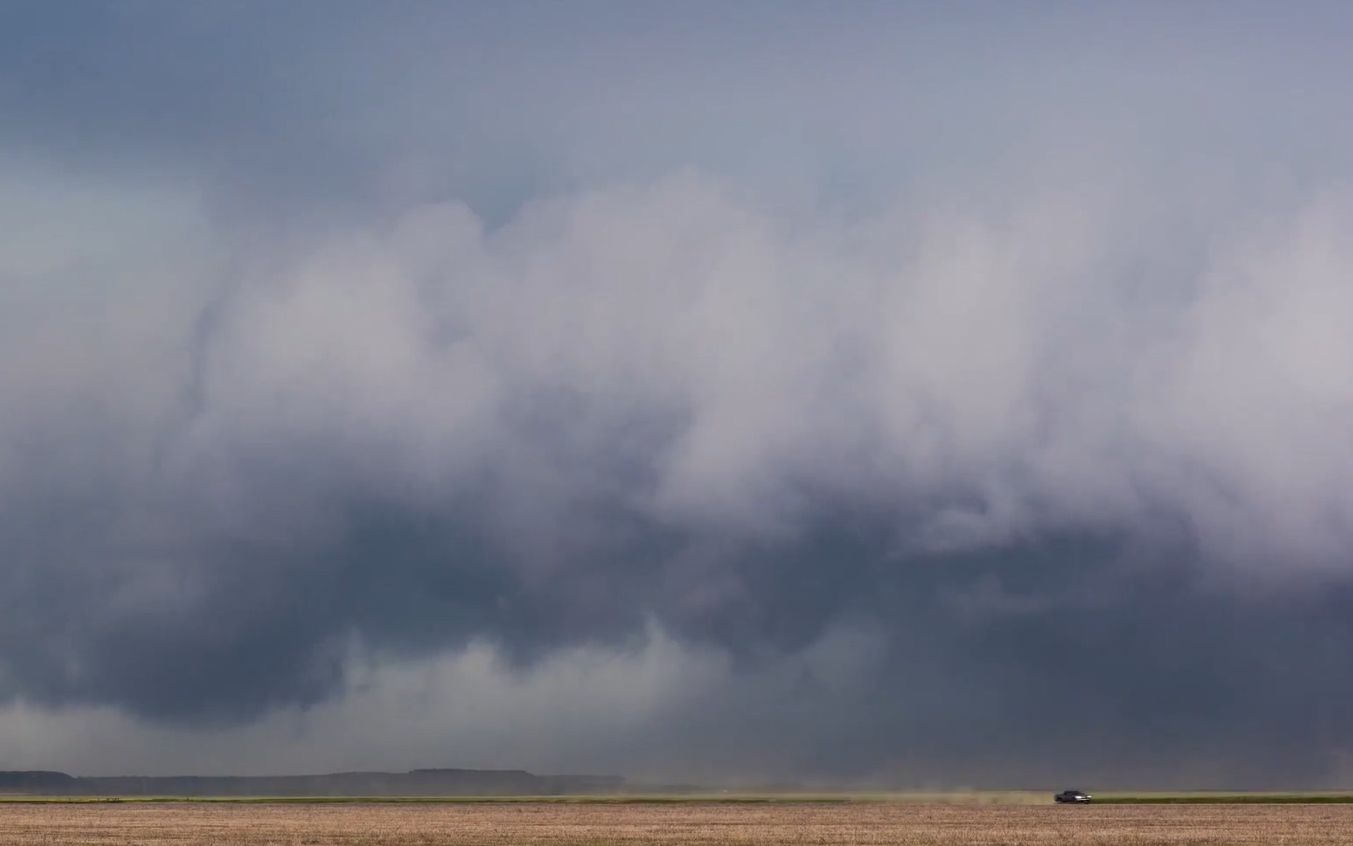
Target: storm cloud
point(926, 396)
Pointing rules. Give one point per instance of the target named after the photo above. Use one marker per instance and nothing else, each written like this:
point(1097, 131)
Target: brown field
point(681, 823)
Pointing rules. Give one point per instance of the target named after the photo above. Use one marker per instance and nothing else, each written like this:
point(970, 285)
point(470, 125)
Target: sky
point(908, 394)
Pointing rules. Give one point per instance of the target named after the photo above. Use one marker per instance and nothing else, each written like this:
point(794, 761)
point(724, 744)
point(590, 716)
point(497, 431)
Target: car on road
point(1072, 797)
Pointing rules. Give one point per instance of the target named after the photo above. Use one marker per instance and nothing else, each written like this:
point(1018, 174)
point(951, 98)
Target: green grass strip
point(1227, 799)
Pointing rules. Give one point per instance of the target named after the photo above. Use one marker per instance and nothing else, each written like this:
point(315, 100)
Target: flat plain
point(659, 824)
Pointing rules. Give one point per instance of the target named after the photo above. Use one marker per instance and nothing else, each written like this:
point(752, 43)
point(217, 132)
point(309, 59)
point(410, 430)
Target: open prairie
point(819, 824)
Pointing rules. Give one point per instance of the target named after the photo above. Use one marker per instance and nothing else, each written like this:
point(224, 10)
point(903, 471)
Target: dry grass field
point(518, 824)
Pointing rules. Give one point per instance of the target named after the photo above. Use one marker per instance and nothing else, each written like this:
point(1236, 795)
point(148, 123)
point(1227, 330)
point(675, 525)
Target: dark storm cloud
point(334, 330)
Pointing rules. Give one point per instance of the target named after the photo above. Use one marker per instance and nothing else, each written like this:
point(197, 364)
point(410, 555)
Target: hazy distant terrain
point(432, 782)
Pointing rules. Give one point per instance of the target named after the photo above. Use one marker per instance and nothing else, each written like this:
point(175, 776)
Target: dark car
point(1072, 797)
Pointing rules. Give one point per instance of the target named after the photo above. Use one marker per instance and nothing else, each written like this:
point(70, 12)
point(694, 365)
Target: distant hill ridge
point(426, 782)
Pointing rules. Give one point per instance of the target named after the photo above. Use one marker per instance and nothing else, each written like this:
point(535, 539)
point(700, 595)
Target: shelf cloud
point(881, 395)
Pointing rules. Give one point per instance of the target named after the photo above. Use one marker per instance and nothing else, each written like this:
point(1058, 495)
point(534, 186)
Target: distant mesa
point(35, 781)
point(431, 782)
